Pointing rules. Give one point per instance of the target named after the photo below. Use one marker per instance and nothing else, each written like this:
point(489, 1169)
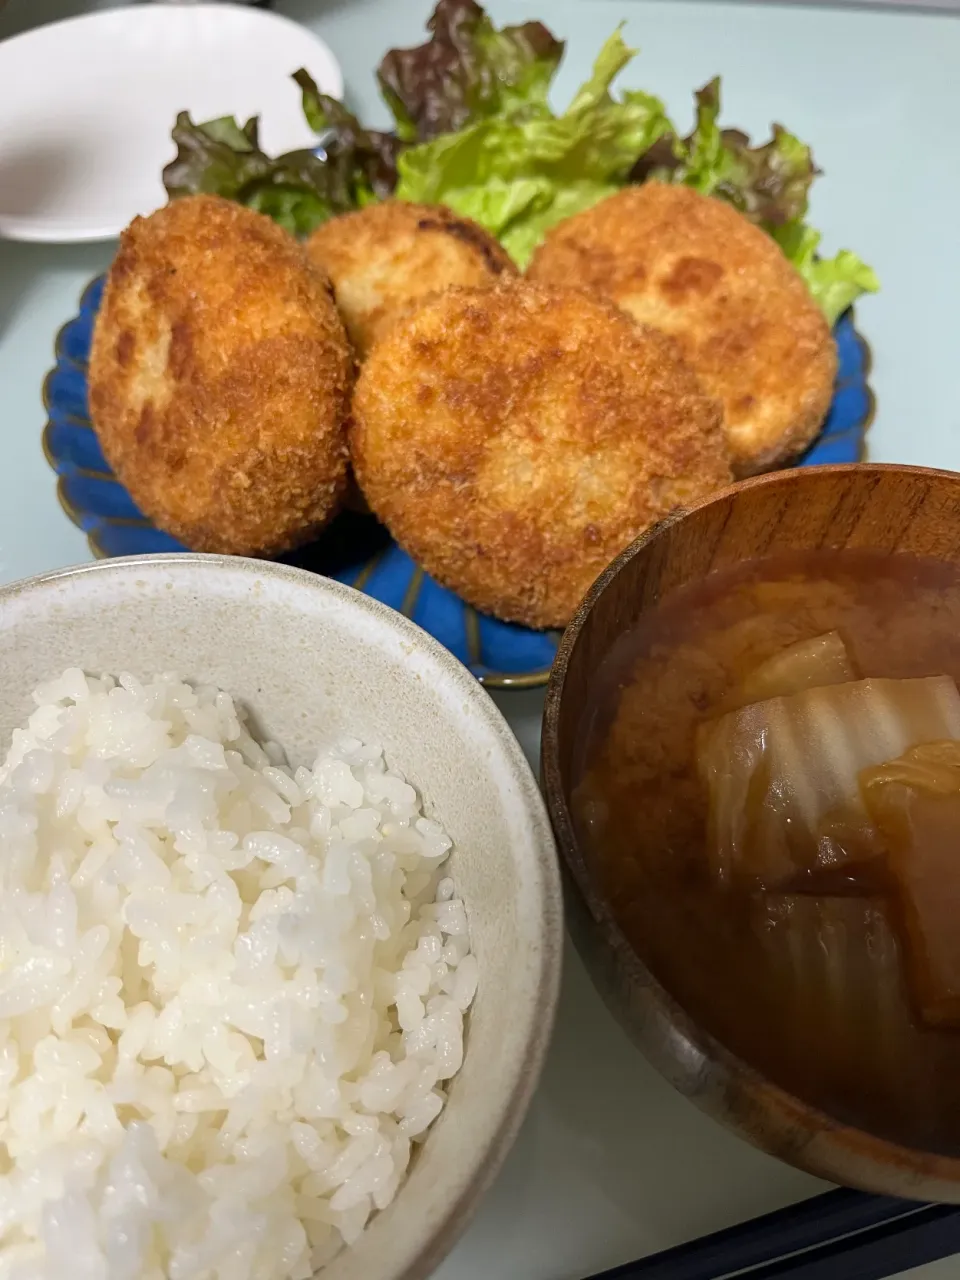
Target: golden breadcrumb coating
point(220, 378)
point(514, 440)
point(390, 255)
point(697, 269)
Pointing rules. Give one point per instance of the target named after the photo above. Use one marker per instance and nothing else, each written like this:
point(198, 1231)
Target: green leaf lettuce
point(770, 185)
point(466, 71)
point(222, 158)
point(474, 130)
point(520, 172)
point(364, 160)
point(835, 283)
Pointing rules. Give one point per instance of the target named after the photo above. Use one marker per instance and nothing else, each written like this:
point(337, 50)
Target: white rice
point(231, 993)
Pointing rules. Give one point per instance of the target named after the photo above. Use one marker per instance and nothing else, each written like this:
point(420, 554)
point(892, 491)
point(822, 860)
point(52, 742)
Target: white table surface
point(612, 1163)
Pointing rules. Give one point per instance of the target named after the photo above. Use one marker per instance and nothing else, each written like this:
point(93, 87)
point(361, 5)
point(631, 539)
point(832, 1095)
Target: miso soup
point(769, 791)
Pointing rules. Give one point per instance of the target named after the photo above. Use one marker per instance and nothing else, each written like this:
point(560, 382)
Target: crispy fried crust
point(220, 379)
point(390, 255)
point(516, 439)
point(695, 268)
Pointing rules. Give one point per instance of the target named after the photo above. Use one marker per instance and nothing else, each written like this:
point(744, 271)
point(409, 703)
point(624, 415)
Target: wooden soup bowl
point(866, 506)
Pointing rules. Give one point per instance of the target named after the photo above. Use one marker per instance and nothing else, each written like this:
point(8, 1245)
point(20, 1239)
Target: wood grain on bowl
point(863, 508)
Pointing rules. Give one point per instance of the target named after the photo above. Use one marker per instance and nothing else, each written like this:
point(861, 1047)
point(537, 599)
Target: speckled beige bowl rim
point(440, 1235)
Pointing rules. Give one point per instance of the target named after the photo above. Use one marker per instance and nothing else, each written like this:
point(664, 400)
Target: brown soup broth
point(858, 1053)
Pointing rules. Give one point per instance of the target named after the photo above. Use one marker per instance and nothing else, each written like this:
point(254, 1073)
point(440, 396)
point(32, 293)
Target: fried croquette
point(514, 440)
point(388, 256)
point(220, 378)
point(695, 268)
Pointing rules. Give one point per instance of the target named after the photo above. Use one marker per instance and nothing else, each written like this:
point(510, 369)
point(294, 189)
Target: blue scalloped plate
point(356, 550)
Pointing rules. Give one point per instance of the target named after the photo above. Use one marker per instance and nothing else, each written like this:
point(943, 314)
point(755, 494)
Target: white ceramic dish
point(312, 659)
point(88, 105)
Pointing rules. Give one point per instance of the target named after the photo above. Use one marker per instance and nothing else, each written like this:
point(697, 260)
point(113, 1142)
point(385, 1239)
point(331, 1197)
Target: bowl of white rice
point(280, 929)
